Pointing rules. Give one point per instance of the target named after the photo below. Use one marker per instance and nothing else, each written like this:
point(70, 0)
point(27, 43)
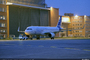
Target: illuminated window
point(80, 21)
point(1, 30)
point(2, 2)
point(80, 17)
point(80, 24)
point(77, 31)
point(87, 28)
point(75, 17)
point(87, 21)
point(2, 17)
point(87, 24)
point(78, 28)
point(80, 31)
point(87, 17)
point(2, 25)
point(77, 24)
point(2, 9)
point(80, 34)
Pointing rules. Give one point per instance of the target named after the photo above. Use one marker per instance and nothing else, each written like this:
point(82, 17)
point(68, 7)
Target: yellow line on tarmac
point(86, 49)
point(20, 44)
point(7, 44)
point(69, 48)
point(53, 46)
point(28, 45)
point(40, 46)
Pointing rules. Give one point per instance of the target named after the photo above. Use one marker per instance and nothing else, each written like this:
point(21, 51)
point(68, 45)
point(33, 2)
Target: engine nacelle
point(51, 35)
point(27, 36)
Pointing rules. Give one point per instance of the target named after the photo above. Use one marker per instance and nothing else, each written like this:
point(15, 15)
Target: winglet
point(19, 30)
point(59, 22)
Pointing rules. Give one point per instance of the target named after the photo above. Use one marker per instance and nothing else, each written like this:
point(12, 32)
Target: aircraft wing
point(71, 29)
point(19, 30)
point(46, 32)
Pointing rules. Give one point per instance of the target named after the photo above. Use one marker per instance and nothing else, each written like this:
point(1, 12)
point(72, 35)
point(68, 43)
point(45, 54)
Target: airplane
point(43, 30)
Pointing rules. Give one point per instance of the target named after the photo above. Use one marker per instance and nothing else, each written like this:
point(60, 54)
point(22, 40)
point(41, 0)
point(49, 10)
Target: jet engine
point(52, 35)
point(27, 36)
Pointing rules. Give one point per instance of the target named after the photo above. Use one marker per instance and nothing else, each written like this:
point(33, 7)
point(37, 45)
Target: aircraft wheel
point(38, 38)
point(52, 37)
point(31, 38)
point(24, 39)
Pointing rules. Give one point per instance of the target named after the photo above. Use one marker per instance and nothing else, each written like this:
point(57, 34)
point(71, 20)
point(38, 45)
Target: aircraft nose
point(27, 32)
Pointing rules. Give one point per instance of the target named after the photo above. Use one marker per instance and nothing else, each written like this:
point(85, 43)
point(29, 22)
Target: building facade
point(87, 26)
point(24, 13)
point(68, 14)
point(38, 3)
point(76, 23)
point(3, 19)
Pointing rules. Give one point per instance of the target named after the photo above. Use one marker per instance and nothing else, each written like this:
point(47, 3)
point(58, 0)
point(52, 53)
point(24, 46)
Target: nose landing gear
point(38, 37)
point(30, 36)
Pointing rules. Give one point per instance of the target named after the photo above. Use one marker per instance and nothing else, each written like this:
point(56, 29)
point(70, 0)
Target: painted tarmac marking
point(8, 44)
point(72, 48)
point(20, 44)
point(86, 49)
point(78, 49)
point(28, 45)
point(53, 46)
point(69, 48)
point(40, 46)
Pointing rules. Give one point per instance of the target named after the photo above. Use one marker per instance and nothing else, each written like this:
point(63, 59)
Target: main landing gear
point(38, 37)
point(52, 37)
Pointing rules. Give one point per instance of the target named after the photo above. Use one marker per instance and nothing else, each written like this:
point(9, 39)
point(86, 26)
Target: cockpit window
point(29, 28)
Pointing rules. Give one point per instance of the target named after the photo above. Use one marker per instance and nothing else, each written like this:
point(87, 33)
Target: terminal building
point(24, 13)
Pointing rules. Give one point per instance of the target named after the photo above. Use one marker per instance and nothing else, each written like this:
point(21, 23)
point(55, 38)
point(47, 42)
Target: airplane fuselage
point(40, 30)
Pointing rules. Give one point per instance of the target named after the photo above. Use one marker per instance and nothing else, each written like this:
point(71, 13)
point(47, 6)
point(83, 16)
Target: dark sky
point(77, 7)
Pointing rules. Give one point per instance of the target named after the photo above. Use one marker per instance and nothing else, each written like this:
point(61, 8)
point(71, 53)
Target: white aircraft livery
point(42, 30)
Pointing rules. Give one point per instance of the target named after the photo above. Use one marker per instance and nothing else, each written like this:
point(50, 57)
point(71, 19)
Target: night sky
point(77, 7)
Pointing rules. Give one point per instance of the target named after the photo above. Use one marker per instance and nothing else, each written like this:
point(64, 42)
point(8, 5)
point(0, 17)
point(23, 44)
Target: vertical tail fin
point(59, 22)
point(18, 29)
